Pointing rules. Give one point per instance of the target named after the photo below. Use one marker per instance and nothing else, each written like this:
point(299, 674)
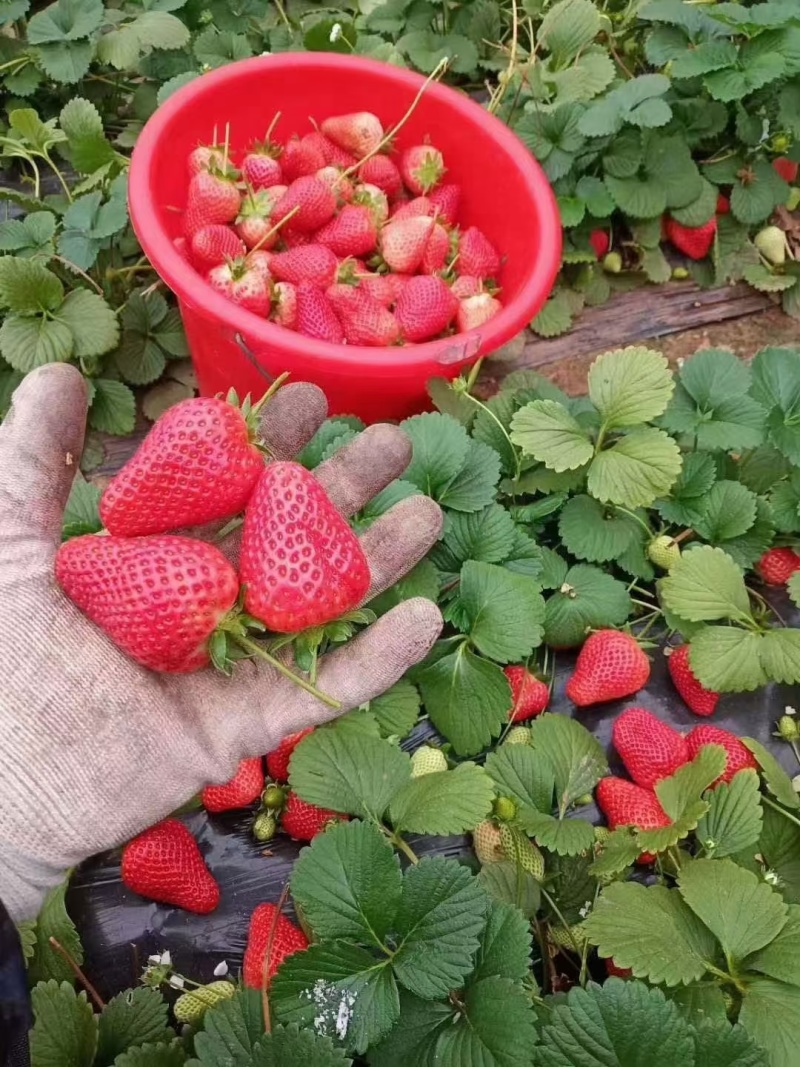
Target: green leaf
point(565, 837)
point(523, 775)
point(113, 408)
point(593, 532)
point(555, 138)
point(467, 698)
point(701, 210)
point(288, 1046)
point(556, 315)
point(780, 655)
point(505, 611)
point(173, 84)
point(505, 945)
point(26, 343)
point(26, 932)
point(213, 48)
point(780, 959)
point(354, 775)
point(749, 547)
point(545, 430)
point(776, 779)
point(27, 286)
point(652, 931)
point(447, 802)
point(65, 62)
point(92, 322)
point(636, 470)
point(568, 27)
point(576, 757)
point(120, 48)
point(686, 500)
point(135, 1017)
point(730, 510)
point(630, 386)
point(159, 29)
point(497, 1028)
point(771, 1015)
point(88, 148)
point(30, 236)
point(705, 584)
point(793, 588)
point(487, 536)
point(679, 791)
point(727, 659)
point(475, 484)
point(66, 20)
point(632, 102)
point(172, 1055)
point(776, 385)
point(734, 819)
point(754, 201)
point(65, 1031)
point(587, 599)
point(440, 447)
point(441, 916)
point(231, 1030)
point(396, 710)
point(422, 580)
point(426, 49)
point(53, 921)
point(509, 884)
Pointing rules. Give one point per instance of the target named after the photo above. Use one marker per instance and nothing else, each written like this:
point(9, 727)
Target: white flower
point(789, 710)
point(166, 958)
point(176, 981)
point(584, 911)
point(221, 969)
point(336, 32)
point(154, 959)
point(771, 878)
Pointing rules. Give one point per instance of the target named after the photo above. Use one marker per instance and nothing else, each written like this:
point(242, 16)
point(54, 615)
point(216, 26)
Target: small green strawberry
point(273, 797)
point(612, 263)
point(680, 274)
point(793, 199)
point(427, 760)
point(518, 735)
point(265, 826)
point(521, 851)
point(504, 809)
point(486, 842)
point(771, 243)
point(190, 1007)
point(664, 551)
point(560, 936)
point(788, 730)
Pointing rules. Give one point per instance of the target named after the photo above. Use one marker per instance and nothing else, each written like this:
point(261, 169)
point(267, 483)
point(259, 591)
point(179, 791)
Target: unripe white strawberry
point(664, 552)
point(190, 1007)
point(486, 842)
point(771, 243)
point(427, 760)
point(518, 735)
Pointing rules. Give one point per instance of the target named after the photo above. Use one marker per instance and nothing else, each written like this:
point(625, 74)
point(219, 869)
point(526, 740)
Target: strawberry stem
point(272, 126)
point(281, 668)
point(73, 966)
point(275, 229)
point(404, 847)
point(268, 956)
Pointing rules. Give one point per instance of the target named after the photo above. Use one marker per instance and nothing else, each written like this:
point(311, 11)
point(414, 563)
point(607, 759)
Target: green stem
point(503, 431)
point(637, 518)
point(561, 919)
point(776, 807)
point(46, 156)
point(404, 847)
point(74, 267)
point(281, 668)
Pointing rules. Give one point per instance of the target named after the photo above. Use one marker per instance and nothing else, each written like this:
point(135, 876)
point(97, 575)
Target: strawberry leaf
point(729, 511)
point(467, 698)
point(785, 502)
point(445, 802)
point(565, 837)
point(780, 959)
point(441, 447)
point(91, 321)
point(397, 710)
point(776, 385)
point(687, 496)
point(727, 659)
point(136, 1017)
point(568, 27)
point(593, 532)
point(618, 852)
point(750, 546)
point(775, 777)
point(587, 598)
point(54, 921)
point(65, 1030)
point(26, 931)
point(575, 756)
point(30, 236)
point(113, 408)
point(705, 584)
point(771, 1015)
point(509, 884)
point(27, 342)
point(734, 817)
point(28, 286)
point(231, 1029)
point(545, 430)
point(475, 485)
point(505, 611)
point(505, 945)
point(171, 1055)
point(793, 588)
point(520, 774)
point(496, 1027)
point(686, 786)
point(636, 470)
point(487, 536)
point(88, 149)
point(630, 386)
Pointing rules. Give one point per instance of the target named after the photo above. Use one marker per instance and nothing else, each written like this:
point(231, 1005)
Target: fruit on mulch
point(278, 759)
point(241, 791)
point(530, 695)
point(165, 864)
point(694, 241)
point(610, 666)
point(190, 1007)
point(625, 804)
point(427, 760)
point(650, 748)
point(700, 700)
point(303, 821)
point(300, 562)
point(739, 757)
point(777, 565)
point(270, 932)
point(158, 598)
point(343, 188)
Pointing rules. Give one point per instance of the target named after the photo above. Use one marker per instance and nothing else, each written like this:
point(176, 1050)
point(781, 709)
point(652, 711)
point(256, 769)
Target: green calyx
point(504, 809)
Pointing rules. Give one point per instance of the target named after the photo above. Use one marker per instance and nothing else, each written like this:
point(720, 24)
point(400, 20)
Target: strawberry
point(771, 243)
point(477, 255)
point(475, 311)
point(446, 200)
point(284, 305)
point(422, 167)
point(609, 666)
point(374, 199)
point(300, 159)
point(403, 243)
point(315, 316)
point(214, 244)
point(425, 307)
point(312, 202)
point(303, 821)
point(466, 285)
point(694, 241)
point(664, 551)
point(529, 694)
point(739, 757)
point(626, 804)
point(397, 283)
point(261, 168)
point(617, 972)
point(159, 599)
point(777, 565)
point(294, 239)
point(240, 792)
point(723, 205)
point(181, 246)
point(600, 242)
point(427, 760)
point(413, 209)
point(352, 233)
point(381, 287)
point(649, 748)
point(246, 287)
point(190, 1007)
point(259, 261)
point(364, 320)
point(330, 152)
point(518, 735)
point(700, 700)
point(254, 220)
point(301, 563)
point(213, 197)
point(207, 157)
point(278, 759)
point(436, 251)
point(358, 133)
point(487, 843)
point(312, 263)
point(342, 188)
point(198, 464)
point(165, 864)
point(269, 930)
point(786, 168)
point(381, 171)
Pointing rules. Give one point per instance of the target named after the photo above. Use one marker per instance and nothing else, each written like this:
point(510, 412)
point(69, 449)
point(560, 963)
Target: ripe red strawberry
point(330, 152)
point(403, 242)
point(723, 205)
point(358, 133)
point(398, 282)
point(301, 563)
point(477, 255)
point(617, 972)
point(212, 245)
point(413, 209)
point(694, 241)
point(626, 804)
point(422, 167)
point(739, 757)
point(159, 599)
point(315, 316)
point(294, 239)
point(213, 197)
point(380, 287)
point(342, 188)
point(466, 285)
point(600, 242)
point(364, 320)
point(700, 700)
point(649, 748)
point(261, 168)
point(266, 928)
point(373, 198)
point(207, 157)
point(312, 201)
point(303, 821)
point(446, 200)
point(198, 464)
point(425, 307)
point(529, 693)
point(777, 565)
point(165, 864)
point(240, 792)
point(352, 233)
point(787, 169)
point(312, 263)
point(609, 666)
point(278, 759)
point(299, 159)
point(259, 261)
point(255, 220)
point(284, 305)
point(246, 287)
point(475, 311)
point(381, 171)
point(436, 251)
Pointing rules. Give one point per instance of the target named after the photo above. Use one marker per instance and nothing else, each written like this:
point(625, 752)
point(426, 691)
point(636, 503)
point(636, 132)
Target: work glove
point(94, 748)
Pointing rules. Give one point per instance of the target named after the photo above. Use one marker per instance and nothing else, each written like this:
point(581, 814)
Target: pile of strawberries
point(332, 237)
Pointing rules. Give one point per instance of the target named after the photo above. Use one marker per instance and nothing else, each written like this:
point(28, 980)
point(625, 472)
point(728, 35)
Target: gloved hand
point(94, 748)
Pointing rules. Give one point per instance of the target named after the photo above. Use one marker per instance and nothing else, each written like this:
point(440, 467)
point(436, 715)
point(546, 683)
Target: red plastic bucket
point(504, 192)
